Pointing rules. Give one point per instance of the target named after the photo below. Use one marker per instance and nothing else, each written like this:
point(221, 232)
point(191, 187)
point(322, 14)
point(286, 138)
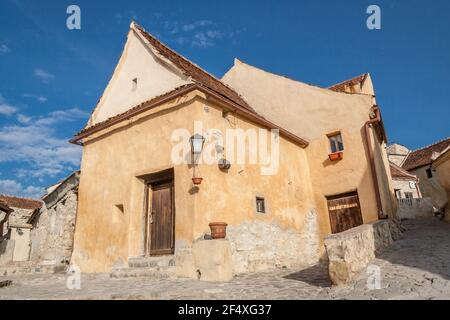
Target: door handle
point(151, 216)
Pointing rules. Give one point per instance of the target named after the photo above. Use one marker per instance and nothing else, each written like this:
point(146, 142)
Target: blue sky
point(52, 77)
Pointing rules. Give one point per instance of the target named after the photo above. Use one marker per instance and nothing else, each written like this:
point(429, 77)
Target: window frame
point(334, 141)
point(260, 200)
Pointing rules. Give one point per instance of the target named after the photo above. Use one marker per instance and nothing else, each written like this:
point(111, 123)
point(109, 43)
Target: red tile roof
point(22, 203)
point(4, 207)
point(423, 156)
point(341, 87)
point(134, 110)
point(399, 173)
point(197, 74)
point(201, 80)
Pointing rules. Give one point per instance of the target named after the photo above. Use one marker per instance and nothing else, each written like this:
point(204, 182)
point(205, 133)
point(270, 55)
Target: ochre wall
point(431, 187)
point(110, 166)
point(312, 112)
point(112, 162)
point(442, 167)
point(287, 193)
point(153, 78)
point(115, 158)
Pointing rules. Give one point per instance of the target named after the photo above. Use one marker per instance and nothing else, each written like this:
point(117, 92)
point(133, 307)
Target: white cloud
point(5, 108)
point(13, 187)
point(196, 24)
point(43, 75)
point(4, 48)
point(202, 40)
point(35, 143)
point(37, 97)
point(196, 34)
point(23, 119)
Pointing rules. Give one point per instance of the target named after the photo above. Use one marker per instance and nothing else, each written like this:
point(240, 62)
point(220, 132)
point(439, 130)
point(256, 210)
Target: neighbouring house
point(148, 189)
point(41, 232)
point(419, 163)
point(53, 226)
point(441, 165)
point(17, 242)
point(397, 153)
point(406, 185)
point(5, 211)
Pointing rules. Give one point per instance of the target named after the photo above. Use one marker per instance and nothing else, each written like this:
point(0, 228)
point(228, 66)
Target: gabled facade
point(137, 199)
point(419, 163)
point(406, 185)
point(15, 246)
point(441, 165)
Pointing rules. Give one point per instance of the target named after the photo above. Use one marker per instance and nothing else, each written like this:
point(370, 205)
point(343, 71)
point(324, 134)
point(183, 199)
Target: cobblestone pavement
point(415, 267)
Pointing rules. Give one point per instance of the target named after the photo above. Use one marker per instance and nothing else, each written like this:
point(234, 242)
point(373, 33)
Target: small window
point(260, 205)
point(408, 195)
point(429, 173)
point(134, 84)
point(119, 207)
point(336, 144)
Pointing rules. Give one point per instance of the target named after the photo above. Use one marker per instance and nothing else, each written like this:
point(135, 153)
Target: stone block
point(351, 251)
point(185, 264)
point(213, 260)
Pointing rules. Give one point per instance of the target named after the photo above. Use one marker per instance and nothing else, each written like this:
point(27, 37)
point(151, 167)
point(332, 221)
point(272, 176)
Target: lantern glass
point(197, 142)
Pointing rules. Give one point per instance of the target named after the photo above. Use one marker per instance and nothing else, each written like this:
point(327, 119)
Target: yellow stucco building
point(319, 165)
point(442, 166)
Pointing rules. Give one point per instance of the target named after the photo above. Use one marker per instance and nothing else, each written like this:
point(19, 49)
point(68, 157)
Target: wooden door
point(162, 219)
point(345, 212)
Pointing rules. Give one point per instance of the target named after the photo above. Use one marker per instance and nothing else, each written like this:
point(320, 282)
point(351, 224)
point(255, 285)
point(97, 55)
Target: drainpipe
point(419, 194)
point(367, 126)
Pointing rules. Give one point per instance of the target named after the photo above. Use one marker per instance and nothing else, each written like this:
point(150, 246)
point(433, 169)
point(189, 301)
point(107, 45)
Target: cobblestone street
point(415, 267)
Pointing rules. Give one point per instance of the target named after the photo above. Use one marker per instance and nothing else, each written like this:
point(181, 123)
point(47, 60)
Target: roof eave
point(152, 104)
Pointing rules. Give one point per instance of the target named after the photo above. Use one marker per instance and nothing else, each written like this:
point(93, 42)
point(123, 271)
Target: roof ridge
point(402, 171)
point(280, 75)
point(298, 81)
point(20, 198)
point(431, 145)
point(166, 47)
point(335, 86)
point(132, 109)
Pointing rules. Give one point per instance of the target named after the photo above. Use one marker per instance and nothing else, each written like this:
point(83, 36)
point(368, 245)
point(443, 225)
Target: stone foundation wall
point(6, 250)
point(258, 245)
point(52, 237)
point(415, 208)
point(351, 251)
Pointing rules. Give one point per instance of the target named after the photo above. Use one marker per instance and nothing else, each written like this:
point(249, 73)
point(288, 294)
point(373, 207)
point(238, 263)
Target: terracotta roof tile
point(133, 110)
point(341, 87)
point(4, 206)
point(22, 203)
point(423, 156)
point(399, 173)
point(195, 72)
point(201, 79)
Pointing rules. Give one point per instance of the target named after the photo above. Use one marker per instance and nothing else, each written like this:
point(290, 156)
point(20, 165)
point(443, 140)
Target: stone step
point(17, 269)
point(152, 262)
point(149, 272)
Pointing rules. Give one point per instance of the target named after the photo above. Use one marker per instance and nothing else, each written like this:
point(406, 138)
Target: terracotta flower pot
point(336, 156)
point(197, 180)
point(218, 230)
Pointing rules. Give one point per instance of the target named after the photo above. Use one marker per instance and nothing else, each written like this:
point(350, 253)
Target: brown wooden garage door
point(345, 212)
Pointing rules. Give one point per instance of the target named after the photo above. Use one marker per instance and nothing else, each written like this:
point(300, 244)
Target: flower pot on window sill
point(336, 156)
point(197, 180)
point(218, 230)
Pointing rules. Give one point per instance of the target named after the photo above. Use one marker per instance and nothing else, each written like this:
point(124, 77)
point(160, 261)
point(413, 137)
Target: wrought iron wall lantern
point(224, 164)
